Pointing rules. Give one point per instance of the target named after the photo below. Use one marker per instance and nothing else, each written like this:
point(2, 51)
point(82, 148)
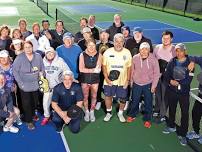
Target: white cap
point(49, 49)
point(144, 45)
point(86, 30)
point(4, 54)
point(16, 41)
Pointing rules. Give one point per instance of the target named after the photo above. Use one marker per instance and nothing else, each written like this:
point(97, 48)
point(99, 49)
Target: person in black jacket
point(179, 79)
point(56, 36)
point(115, 27)
point(91, 25)
point(133, 43)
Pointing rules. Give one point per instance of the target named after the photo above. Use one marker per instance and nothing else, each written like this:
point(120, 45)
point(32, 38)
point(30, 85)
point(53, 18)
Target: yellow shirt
point(121, 61)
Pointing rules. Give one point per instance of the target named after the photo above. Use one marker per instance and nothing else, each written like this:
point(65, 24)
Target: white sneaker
point(18, 121)
point(107, 117)
point(12, 129)
point(98, 106)
point(126, 106)
point(121, 117)
point(87, 116)
point(92, 116)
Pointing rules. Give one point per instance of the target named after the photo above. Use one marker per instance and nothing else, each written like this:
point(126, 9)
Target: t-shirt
point(121, 61)
point(70, 56)
point(65, 98)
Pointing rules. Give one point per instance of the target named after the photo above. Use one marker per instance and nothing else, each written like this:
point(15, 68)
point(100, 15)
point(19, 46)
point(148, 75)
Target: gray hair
point(119, 35)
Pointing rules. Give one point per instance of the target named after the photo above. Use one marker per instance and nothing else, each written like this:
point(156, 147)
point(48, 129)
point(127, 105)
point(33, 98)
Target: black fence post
point(56, 13)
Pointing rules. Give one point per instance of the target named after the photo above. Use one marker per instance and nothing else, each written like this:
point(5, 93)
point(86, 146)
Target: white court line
point(192, 89)
point(196, 97)
point(64, 141)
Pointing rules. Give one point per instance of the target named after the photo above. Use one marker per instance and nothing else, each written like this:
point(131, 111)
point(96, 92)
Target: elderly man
point(116, 70)
point(64, 96)
point(179, 79)
point(70, 53)
point(134, 42)
point(144, 78)
point(115, 27)
point(7, 110)
point(91, 25)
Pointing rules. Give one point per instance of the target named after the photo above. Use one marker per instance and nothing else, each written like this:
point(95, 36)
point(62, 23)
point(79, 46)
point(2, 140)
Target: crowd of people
point(91, 68)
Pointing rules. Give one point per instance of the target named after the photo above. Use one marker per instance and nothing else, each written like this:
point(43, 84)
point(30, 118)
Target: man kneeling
point(65, 95)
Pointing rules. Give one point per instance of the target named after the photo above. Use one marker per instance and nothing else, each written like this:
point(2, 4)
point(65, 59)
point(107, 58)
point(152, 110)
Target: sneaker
point(18, 121)
point(126, 106)
point(92, 116)
point(30, 126)
point(87, 116)
point(200, 140)
point(192, 135)
point(36, 118)
point(12, 129)
point(121, 117)
point(98, 106)
point(44, 121)
point(107, 117)
point(183, 140)
point(155, 114)
point(168, 130)
point(130, 119)
point(147, 124)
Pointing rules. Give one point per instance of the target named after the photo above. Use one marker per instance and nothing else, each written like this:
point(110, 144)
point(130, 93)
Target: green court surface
point(122, 137)
point(112, 136)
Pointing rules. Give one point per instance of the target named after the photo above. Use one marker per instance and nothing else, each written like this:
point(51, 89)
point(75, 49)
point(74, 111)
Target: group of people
point(82, 69)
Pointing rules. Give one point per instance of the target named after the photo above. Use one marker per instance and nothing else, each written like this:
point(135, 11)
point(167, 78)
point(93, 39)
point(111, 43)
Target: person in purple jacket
point(144, 78)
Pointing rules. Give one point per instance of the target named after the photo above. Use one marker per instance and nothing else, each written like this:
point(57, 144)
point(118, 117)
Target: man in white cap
point(70, 52)
point(54, 67)
point(65, 95)
point(179, 79)
point(134, 42)
point(144, 78)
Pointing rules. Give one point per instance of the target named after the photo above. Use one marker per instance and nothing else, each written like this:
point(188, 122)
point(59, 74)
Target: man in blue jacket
point(179, 79)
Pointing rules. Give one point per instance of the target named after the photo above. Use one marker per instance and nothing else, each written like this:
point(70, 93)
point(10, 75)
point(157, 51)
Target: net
point(176, 5)
point(194, 6)
point(43, 6)
point(70, 24)
point(158, 3)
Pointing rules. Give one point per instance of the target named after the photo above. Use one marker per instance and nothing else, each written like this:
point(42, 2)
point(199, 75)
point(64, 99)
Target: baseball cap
point(180, 46)
point(137, 29)
point(86, 30)
point(144, 45)
point(49, 49)
point(125, 28)
point(16, 41)
point(4, 54)
point(67, 35)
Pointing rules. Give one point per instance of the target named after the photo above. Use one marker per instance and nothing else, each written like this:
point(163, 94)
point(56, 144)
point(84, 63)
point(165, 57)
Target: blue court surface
point(42, 139)
point(153, 30)
point(90, 9)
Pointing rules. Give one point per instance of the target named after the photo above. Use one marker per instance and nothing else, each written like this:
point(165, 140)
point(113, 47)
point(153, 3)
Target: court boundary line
point(64, 141)
point(73, 10)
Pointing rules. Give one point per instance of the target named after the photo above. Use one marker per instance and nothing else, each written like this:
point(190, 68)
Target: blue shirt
point(65, 98)
point(70, 56)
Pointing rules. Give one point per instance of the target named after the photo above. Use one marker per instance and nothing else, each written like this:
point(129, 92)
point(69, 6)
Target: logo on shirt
point(72, 93)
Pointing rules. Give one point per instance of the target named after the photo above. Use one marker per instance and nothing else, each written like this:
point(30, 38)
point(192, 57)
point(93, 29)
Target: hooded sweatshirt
point(54, 70)
point(145, 71)
point(26, 72)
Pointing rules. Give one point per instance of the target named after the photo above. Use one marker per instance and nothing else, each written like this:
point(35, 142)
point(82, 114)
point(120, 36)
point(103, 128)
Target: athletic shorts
point(115, 91)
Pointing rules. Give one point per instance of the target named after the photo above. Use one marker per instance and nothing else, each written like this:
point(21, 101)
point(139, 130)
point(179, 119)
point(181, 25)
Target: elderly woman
point(179, 79)
point(7, 110)
point(90, 67)
point(54, 67)
point(26, 69)
point(5, 40)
